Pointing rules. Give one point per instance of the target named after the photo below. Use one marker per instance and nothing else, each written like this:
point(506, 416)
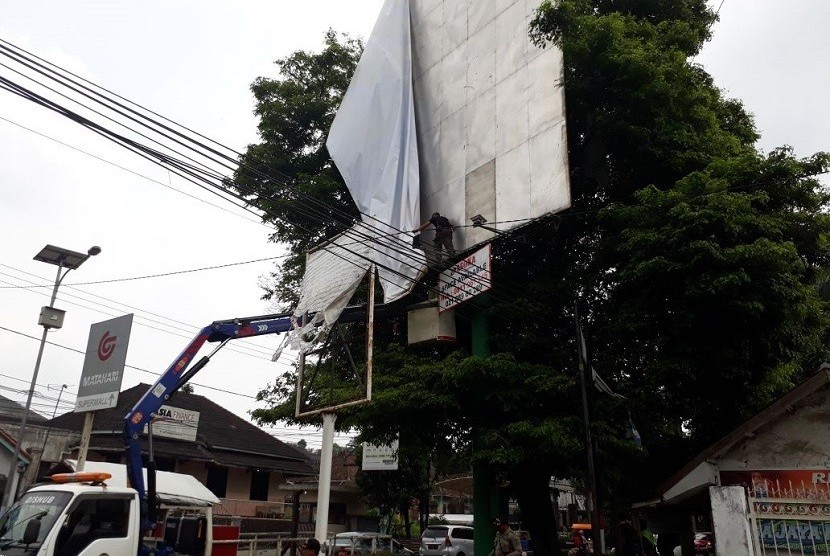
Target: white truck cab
point(90, 513)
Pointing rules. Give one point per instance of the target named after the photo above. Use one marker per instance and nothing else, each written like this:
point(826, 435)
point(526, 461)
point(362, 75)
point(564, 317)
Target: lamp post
point(50, 317)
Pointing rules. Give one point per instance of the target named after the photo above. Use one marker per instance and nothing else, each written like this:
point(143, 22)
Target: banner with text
point(466, 279)
point(106, 354)
point(380, 457)
point(174, 422)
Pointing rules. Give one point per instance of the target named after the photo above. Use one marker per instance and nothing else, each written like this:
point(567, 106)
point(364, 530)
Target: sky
point(193, 62)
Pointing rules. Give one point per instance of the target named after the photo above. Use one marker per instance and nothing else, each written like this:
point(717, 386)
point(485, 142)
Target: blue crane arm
point(176, 375)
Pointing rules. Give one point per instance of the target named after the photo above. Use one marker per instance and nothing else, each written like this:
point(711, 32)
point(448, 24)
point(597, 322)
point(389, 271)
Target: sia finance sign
point(106, 354)
point(465, 279)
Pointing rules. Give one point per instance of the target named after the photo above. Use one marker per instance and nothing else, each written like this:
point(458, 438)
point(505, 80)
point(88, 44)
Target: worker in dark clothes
point(443, 233)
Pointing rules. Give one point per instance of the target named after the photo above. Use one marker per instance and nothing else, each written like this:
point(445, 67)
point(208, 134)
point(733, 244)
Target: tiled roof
point(9, 443)
point(12, 412)
point(221, 436)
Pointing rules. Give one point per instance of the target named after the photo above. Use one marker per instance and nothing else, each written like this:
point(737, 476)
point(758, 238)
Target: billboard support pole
point(89, 418)
point(324, 481)
point(486, 500)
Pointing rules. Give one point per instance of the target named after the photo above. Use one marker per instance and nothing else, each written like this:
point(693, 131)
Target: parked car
point(447, 540)
point(704, 543)
point(364, 542)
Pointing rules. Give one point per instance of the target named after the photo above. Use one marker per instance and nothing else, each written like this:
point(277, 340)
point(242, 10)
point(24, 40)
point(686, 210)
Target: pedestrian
point(311, 547)
point(443, 233)
point(507, 542)
point(580, 543)
point(647, 540)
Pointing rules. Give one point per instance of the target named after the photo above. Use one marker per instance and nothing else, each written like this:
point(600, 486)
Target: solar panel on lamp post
point(50, 317)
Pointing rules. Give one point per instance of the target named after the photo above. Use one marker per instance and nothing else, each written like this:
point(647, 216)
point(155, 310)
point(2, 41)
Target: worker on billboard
point(443, 233)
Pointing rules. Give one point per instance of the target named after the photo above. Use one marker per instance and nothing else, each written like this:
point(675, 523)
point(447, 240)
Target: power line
point(124, 168)
point(260, 351)
point(145, 277)
point(213, 388)
point(157, 157)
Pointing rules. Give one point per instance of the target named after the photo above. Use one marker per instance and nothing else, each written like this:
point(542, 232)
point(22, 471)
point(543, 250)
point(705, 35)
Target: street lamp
point(50, 317)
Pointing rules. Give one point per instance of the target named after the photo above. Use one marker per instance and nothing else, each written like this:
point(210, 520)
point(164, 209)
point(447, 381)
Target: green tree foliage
point(696, 254)
point(288, 174)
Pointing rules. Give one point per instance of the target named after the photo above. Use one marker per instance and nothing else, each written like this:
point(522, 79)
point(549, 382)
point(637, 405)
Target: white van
point(447, 540)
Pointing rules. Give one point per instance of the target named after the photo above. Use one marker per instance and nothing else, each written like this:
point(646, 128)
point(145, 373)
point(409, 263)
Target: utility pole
point(50, 317)
point(584, 374)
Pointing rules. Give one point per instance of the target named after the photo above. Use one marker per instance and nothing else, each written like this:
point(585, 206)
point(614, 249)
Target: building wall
point(196, 468)
point(729, 514)
point(239, 484)
point(274, 492)
point(793, 441)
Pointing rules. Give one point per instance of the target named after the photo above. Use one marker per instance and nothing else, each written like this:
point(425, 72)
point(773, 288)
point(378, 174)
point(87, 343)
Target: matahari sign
point(106, 354)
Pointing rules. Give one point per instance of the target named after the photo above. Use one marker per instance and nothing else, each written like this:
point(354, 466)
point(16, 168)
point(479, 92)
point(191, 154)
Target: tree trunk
point(531, 487)
point(407, 523)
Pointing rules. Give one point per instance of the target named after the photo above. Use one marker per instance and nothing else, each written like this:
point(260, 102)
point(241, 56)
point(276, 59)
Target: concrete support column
point(324, 485)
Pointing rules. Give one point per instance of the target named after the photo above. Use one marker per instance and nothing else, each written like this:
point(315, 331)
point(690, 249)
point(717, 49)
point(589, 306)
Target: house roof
point(222, 437)
point(344, 469)
point(12, 412)
point(748, 428)
point(9, 442)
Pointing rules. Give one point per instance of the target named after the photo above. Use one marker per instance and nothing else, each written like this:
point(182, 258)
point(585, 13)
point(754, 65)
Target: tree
point(697, 255)
point(289, 175)
point(394, 491)
point(694, 256)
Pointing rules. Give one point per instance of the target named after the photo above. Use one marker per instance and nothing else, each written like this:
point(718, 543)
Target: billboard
point(490, 115)
point(106, 354)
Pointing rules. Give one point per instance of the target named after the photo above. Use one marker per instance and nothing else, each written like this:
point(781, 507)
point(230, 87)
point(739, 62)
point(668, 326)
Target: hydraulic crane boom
point(170, 381)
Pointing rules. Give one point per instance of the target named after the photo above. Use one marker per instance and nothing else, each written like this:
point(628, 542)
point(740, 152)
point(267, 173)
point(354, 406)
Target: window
point(259, 485)
point(462, 533)
point(91, 519)
point(217, 480)
point(337, 514)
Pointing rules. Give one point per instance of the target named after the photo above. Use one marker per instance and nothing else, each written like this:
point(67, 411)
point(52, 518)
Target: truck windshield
point(42, 505)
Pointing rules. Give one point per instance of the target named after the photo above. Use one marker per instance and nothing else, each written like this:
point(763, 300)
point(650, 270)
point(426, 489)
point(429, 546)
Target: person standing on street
point(310, 547)
point(443, 233)
point(506, 543)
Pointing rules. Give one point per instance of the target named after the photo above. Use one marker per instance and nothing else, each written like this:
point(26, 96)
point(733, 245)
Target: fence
point(790, 521)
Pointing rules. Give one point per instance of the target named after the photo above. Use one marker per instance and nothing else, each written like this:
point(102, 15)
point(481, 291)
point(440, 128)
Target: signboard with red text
point(465, 279)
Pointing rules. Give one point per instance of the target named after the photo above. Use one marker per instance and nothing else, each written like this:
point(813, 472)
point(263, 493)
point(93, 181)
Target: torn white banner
point(332, 274)
point(373, 143)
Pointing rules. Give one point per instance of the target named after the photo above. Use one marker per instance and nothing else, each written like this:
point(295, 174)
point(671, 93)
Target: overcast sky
point(193, 62)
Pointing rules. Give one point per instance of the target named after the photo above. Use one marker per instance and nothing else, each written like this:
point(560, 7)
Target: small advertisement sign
point(795, 484)
point(466, 279)
point(380, 458)
point(177, 423)
point(106, 354)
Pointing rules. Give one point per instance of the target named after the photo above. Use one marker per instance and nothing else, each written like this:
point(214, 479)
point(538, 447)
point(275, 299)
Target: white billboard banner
point(490, 115)
point(466, 279)
point(380, 457)
point(176, 423)
point(106, 354)
point(373, 142)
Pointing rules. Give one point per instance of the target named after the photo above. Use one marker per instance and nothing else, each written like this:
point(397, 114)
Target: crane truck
point(103, 511)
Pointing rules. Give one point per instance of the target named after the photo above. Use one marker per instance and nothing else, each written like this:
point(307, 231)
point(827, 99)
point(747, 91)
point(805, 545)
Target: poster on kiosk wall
point(789, 508)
